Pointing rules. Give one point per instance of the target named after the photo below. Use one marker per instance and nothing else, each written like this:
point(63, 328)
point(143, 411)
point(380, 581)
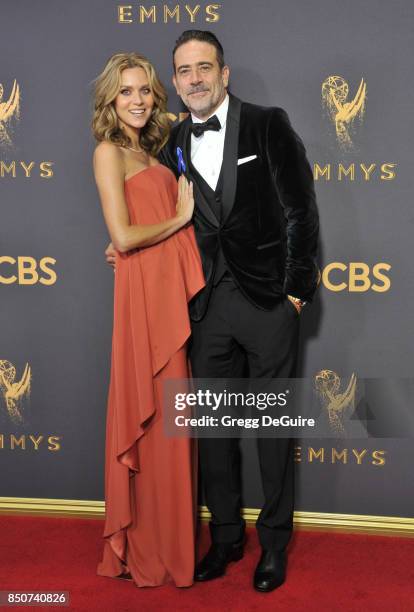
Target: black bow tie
point(213, 123)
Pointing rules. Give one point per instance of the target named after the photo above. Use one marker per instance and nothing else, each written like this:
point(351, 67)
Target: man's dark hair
point(202, 36)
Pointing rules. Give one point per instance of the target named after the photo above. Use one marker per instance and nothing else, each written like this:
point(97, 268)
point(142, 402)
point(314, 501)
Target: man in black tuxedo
point(256, 225)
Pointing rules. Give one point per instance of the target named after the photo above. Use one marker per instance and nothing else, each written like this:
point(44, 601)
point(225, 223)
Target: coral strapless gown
point(150, 479)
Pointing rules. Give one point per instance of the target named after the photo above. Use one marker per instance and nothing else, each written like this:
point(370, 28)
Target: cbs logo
point(26, 270)
point(356, 277)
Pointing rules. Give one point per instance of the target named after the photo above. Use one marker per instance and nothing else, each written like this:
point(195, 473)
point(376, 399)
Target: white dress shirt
point(207, 149)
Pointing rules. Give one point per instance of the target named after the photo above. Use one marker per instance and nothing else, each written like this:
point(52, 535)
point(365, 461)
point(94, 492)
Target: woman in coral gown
point(150, 478)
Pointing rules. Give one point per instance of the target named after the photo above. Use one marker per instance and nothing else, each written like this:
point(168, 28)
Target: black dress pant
point(232, 335)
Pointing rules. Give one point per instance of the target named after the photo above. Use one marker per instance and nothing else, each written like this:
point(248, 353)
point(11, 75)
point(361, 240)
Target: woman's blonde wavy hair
point(105, 122)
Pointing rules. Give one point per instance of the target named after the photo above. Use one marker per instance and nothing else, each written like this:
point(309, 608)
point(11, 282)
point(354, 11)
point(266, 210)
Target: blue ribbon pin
point(181, 163)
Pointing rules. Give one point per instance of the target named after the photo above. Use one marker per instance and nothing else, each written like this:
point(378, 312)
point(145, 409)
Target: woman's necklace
point(136, 150)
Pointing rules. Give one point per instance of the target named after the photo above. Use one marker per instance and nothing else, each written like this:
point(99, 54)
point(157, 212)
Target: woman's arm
point(110, 177)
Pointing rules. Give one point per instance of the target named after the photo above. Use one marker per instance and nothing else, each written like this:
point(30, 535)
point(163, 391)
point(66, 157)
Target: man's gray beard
point(202, 113)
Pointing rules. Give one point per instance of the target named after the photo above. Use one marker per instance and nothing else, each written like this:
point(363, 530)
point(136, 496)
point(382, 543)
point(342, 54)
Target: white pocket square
point(243, 160)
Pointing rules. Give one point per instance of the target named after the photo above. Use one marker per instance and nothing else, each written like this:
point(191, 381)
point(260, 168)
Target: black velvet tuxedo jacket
point(268, 231)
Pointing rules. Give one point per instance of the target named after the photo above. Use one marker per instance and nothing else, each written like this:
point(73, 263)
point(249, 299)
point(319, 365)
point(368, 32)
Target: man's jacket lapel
point(230, 155)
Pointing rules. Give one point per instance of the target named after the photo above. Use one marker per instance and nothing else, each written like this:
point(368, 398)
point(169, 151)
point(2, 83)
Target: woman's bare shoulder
point(108, 155)
point(107, 150)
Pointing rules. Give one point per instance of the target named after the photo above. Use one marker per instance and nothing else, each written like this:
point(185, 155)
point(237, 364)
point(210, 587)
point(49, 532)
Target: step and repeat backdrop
point(345, 79)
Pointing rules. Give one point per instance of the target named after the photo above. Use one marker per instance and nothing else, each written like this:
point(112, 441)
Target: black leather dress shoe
point(216, 560)
point(270, 571)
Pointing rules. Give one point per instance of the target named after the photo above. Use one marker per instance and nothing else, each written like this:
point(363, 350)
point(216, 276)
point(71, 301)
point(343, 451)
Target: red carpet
point(327, 572)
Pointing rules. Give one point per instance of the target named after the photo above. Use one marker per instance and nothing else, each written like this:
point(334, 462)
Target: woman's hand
point(185, 201)
point(110, 254)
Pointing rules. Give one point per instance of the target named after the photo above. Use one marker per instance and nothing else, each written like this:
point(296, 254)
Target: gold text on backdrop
point(30, 442)
point(15, 169)
point(344, 456)
point(356, 277)
point(352, 171)
point(23, 270)
point(163, 13)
